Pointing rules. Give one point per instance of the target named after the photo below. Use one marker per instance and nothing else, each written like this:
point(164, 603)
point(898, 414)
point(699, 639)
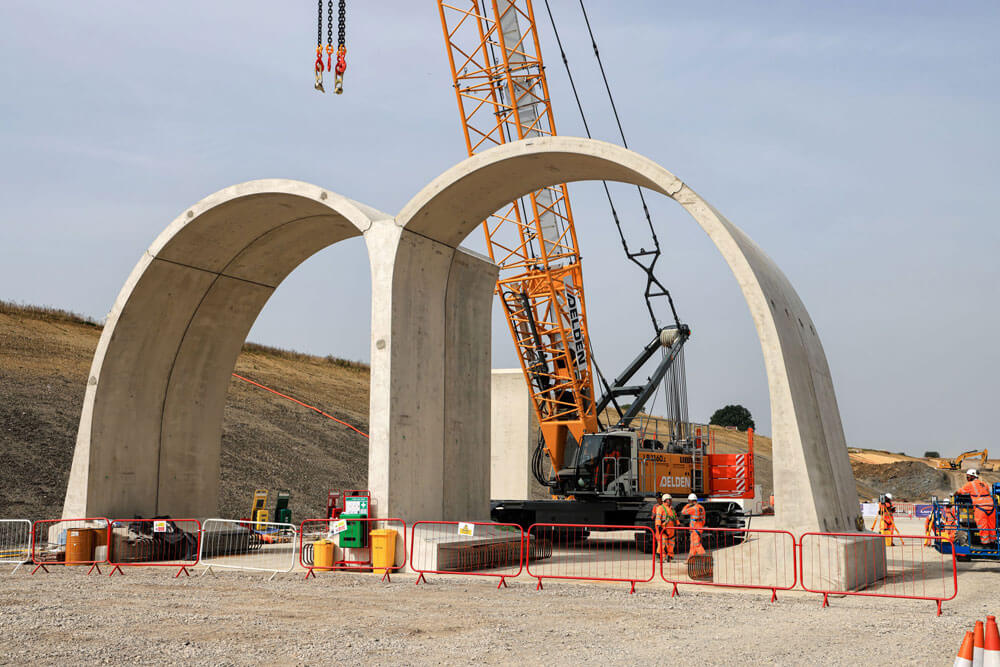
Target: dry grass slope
point(267, 442)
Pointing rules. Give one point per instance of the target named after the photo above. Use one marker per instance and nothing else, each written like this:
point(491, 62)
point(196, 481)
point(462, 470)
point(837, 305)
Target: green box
point(356, 535)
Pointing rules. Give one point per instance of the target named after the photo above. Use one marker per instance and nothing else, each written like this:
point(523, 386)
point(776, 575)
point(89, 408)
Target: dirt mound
point(910, 481)
point(267, 442)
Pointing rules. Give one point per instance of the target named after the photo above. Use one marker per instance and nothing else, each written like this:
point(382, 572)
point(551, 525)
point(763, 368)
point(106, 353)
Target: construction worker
point(665, 518)
point(949, 519)
point(697, 514)
point(930, 530)
point(982, 501)
point(885, 517)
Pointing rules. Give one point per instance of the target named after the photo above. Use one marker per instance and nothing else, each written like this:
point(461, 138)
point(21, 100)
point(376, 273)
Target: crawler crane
point(600, 473)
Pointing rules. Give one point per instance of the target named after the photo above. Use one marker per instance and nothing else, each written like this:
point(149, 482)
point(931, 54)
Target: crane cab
point(618, 463)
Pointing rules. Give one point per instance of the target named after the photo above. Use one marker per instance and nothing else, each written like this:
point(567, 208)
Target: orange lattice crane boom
point(503, 96)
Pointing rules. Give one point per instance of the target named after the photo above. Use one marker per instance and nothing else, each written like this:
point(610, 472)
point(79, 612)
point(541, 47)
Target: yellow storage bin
point(323, 554)
point(383, 549)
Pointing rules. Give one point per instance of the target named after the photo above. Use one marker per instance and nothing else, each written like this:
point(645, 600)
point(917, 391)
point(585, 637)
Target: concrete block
point(843, 563)
point(513, 434)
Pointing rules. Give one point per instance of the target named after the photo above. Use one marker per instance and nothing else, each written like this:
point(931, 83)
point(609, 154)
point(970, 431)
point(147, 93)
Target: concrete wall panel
point(468, 311)
point(513, 433)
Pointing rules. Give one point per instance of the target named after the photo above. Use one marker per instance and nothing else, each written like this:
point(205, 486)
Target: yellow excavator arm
point(956, 463)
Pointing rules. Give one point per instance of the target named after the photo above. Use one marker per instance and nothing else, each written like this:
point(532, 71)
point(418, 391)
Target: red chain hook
point(341, 60)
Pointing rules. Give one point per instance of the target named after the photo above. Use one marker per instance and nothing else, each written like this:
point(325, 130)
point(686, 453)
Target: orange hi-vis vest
point(696, 512)
point(664, 516)
point(980, 493)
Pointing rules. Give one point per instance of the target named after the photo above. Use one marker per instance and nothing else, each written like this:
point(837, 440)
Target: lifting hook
point(341, 68)
point(319, 70)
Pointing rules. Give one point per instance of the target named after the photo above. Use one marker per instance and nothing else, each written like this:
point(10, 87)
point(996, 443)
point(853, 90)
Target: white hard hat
point(692, 496)
point(889, 496)
point(972, 472)
point(666, 496)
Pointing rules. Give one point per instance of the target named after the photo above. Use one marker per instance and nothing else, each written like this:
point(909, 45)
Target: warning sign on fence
point(159, 526)
point(338, 526)
point(466, 529)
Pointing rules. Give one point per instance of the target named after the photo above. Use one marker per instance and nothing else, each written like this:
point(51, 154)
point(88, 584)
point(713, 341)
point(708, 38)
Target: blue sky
point(856, 143)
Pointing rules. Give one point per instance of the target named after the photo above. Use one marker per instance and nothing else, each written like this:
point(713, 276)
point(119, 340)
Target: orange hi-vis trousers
point(665, 540)
point(696, 547)
point(986, 521)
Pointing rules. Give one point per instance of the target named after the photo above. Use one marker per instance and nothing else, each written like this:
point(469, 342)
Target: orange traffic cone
point(991, 643)
point(977, 645)
point(964, 657)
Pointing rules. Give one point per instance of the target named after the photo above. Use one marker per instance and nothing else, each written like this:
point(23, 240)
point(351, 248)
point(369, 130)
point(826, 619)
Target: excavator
point(600, 473)
point(603, 467)
point(956, 463)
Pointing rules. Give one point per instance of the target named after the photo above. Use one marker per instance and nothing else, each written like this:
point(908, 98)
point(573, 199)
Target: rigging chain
point(341, 49)
point(319, 47)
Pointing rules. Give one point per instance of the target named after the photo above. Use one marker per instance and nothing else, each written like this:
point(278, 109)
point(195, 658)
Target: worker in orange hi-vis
point(887, 521)
point(949, 520)
point(982, 502)
point(930, 530)
point(697, 513)
point(665, 518)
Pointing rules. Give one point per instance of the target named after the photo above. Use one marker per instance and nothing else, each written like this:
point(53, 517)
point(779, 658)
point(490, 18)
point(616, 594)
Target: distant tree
point(932, 455)
point(733, 415)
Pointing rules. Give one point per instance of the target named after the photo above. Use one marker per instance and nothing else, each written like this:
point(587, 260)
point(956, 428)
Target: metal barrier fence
point(365, 545)
point(593, 553)
point(865, 564)
point(15, 542)
point(241, 545)
point(69, 542)
point(736, 558)
point(154, 543)
point(474, 548)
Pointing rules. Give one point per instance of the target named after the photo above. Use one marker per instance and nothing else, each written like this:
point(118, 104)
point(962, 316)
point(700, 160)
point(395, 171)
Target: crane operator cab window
point(599, 446)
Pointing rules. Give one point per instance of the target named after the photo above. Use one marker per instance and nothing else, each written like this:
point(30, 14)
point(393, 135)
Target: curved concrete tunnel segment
point(814, 484)
point(150, 430)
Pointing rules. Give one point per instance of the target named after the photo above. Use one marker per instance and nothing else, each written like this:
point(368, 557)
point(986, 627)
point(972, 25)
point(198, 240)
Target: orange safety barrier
point(852, 564)
point(154, 543)
point(357, 542)
point(473, 548)
point(69, 542)
point(594, 553)
point(736, 558)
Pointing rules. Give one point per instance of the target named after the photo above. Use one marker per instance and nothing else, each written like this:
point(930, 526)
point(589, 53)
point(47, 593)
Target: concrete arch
point(814, 484)
point(150, 431)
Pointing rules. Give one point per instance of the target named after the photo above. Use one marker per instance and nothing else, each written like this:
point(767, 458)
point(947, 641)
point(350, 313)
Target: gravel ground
point(234, 618)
